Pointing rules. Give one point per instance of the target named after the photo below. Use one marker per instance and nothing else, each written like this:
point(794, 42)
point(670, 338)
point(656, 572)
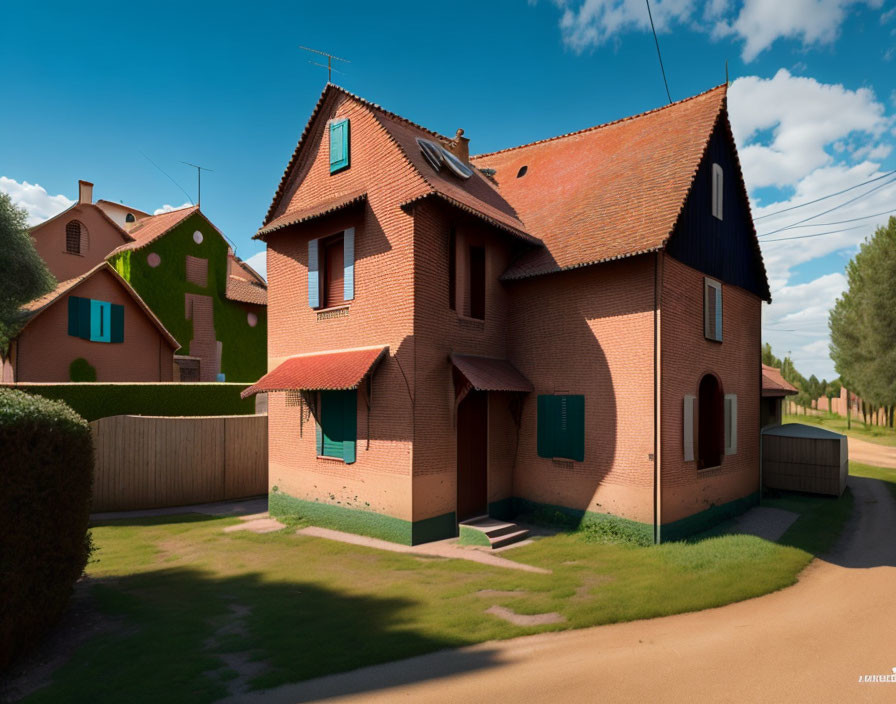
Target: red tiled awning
point(774, 384)
point(328, 370)
point(489, 374)
point(295, 217)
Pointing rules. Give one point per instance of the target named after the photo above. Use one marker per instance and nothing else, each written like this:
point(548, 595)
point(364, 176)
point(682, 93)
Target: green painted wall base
point(706, 519)
point(376, 525)
point(471, 536)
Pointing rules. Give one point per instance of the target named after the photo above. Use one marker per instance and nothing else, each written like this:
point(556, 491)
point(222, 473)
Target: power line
point(830, 195)
point(830, 210)
point(843, 222)
point(658, 54)
point(817, 234)
point(169, 178)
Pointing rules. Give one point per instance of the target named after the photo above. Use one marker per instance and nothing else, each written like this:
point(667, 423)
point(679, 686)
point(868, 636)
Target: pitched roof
point(606, 192)
point(149, 229)
point(244, 284)
point(774, 384)
point(75, 206)
point(476, 195)
point(294, 217)
point(39, 305)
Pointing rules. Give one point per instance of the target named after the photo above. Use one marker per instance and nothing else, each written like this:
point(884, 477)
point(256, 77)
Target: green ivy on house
point(163, 288)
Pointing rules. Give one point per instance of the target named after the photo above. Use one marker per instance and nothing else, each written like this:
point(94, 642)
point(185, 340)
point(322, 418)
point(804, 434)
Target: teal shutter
point(117, 324)
point(348, 260)
point(331, 407)
point(313, 275)
point(79, 317)
point(100, 321)
point(339, 146)
point(547, 426)
point(350, 425)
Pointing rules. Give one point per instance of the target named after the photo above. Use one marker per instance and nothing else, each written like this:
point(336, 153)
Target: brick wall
point(45, 350)
point(686, 357)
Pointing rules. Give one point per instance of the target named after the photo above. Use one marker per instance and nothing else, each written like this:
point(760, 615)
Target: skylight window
point(437, 156)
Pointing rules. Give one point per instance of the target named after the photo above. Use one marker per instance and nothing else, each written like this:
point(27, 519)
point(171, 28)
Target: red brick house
point(572, 324)
point(93, 321)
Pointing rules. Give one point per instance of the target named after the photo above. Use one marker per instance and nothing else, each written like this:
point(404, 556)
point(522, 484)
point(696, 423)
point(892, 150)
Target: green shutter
point(73, 316)
point(331, 412)
point(318, 438)
point(117, 323)
point(79, 317)
point(573, 428)
point(547, 425)
point(350, 425)
point(339, 146)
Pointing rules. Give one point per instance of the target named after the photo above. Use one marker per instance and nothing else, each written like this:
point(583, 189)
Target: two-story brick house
point(571, 324)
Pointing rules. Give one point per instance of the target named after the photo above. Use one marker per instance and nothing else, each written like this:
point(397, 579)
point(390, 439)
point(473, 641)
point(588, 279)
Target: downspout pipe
point(657, 510)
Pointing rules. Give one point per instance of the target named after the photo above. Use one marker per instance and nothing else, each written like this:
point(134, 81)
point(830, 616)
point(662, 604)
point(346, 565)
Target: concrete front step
point(494, 533)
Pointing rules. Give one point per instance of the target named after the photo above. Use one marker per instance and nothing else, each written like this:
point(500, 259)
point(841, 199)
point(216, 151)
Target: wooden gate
point(153, 462)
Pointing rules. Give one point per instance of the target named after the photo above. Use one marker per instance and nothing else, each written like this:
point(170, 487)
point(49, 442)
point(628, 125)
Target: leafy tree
point(23, 274)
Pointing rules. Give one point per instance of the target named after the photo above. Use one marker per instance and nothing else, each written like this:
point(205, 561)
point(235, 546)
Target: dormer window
point(130, 218)
point(718, 190)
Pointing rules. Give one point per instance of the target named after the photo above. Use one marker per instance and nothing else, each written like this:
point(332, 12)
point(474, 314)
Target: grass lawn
point(871, 433)
point(196, 613)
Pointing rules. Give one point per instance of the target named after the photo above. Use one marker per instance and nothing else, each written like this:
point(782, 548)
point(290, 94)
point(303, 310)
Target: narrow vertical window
point(718, 190)
point(712, 310)
point(334, 272)
point(73, 237)
point(477, 282)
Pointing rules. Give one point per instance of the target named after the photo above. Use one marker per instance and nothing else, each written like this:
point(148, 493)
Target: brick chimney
point(460, 146)
point(85, 192)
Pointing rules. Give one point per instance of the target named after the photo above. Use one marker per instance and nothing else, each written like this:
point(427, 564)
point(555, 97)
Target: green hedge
point(46, 478)
point(93, 401)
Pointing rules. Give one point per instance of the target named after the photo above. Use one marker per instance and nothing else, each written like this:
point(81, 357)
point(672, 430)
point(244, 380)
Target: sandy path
point(808, 643)
point(872, 453)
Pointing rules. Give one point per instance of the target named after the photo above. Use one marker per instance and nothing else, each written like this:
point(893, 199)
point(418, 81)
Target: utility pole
point(199, 170)
point(329, 64)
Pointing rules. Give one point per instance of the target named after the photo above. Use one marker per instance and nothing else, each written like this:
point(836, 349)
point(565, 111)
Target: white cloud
point(259, 262)
point(805, 117)
point(759, 23)
point(168, 208)
point(34, 199)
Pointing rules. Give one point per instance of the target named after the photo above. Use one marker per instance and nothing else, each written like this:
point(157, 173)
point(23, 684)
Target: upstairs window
point(337, 427)
point(97, 321)
point(712, 310)
point(334, 272)
point(476, 292)
point(75, 237)
point(718, 190)
point(561, 427)
point(130, 218)
point(331, 270)
point(339, 145)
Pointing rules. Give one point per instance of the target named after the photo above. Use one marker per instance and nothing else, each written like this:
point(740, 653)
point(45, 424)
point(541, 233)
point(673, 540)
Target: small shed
point(798, 457)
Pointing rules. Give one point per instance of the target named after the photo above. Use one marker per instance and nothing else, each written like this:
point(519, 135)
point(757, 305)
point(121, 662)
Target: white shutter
point(313, 275)
point(688, 428)
point(730, 424)
point(718, 190)
point(348, 263)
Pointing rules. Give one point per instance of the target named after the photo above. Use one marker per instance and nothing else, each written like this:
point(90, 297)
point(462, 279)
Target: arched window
point(75, 237)
point(710, 425)
point(130, 218)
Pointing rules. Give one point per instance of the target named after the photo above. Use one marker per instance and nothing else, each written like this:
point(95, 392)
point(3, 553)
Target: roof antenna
point(329, 65)
point(199, 170)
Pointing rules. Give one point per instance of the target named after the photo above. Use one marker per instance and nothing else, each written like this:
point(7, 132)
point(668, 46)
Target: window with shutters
point(97, 321)
point(331, 272)
point(710, 423)
point(476, 292)
point(337, 424)
point(334, 276)
point(75, 237)
point(712, 310)
point(339, 146)
point(561, 426)
point(718, 190)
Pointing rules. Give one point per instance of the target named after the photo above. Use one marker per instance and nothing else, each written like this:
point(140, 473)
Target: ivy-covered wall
point(244, 348)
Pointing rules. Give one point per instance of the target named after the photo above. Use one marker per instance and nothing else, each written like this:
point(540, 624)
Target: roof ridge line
point(600, 126)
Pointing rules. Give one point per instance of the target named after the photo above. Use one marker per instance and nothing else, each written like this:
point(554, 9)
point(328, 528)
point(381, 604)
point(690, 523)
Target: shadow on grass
point(189, 635)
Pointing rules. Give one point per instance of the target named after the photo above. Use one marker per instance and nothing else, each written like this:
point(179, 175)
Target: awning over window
point(327, 370)
point(489, 374)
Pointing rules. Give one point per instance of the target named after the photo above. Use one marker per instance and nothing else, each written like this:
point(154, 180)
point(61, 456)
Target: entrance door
point(472, 456)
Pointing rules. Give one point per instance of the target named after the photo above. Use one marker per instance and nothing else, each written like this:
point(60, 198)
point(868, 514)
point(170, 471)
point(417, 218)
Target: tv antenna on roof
point(329, 64)
point(199, 170)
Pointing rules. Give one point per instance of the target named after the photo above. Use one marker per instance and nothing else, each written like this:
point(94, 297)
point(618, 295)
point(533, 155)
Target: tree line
point(808, 389)
point(863, 324)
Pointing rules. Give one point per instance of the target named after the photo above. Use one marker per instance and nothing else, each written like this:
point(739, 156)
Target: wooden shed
point(798, 457)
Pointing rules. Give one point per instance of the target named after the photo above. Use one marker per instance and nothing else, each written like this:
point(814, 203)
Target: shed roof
point(800, 430)
point(490, 374)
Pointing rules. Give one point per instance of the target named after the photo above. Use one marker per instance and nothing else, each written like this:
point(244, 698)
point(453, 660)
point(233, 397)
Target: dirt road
point(872, 453)
point(809, 643)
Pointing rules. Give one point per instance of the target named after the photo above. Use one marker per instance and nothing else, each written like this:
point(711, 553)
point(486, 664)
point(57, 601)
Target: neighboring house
point(184, 269)
point(573, 324)
point(774, 389)
point(93, 327)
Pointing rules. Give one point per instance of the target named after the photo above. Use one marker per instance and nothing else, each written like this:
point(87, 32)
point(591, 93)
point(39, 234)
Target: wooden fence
point(153, 462)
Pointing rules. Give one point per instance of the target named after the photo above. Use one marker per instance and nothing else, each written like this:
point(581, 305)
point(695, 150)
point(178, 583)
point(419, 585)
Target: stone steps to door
point(490, 532)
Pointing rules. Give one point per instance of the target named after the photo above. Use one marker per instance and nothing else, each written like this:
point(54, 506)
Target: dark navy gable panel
point(722, 249)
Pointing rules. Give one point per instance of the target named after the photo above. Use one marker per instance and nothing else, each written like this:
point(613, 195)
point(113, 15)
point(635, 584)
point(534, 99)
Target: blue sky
point(92, 88)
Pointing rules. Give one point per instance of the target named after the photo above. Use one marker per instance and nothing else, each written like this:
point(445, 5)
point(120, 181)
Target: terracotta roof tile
point(489, 374)
point(148, 230)
point(294, 217)
point(607, 192)
point(238, 289)
point(326, 370)
point(774, 384)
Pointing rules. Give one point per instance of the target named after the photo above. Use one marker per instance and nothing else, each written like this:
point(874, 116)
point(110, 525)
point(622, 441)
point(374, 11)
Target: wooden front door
point(472, 456)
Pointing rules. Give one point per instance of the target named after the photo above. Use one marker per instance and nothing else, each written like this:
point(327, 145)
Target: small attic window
point(130, 218)
point(522, 171)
